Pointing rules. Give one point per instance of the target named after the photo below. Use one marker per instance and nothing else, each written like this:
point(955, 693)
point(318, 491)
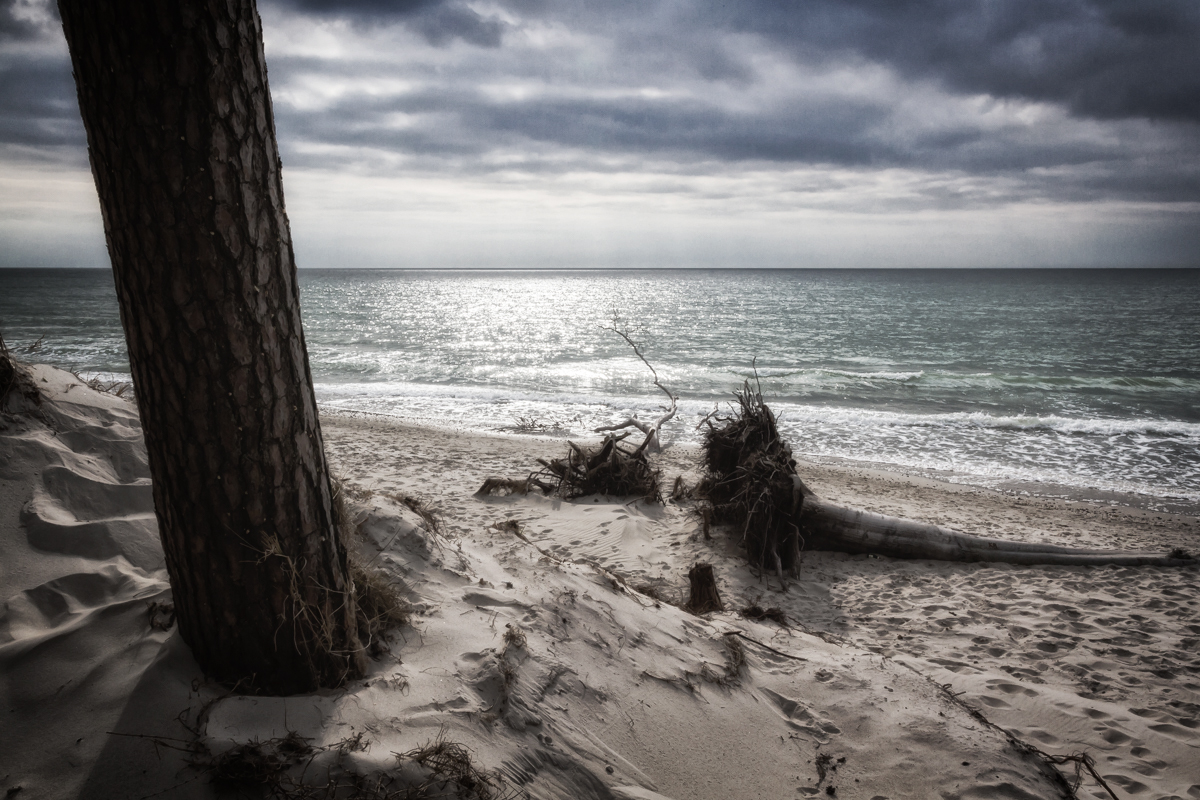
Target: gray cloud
point(25, 20)
point(440, 22)
point(38, 98)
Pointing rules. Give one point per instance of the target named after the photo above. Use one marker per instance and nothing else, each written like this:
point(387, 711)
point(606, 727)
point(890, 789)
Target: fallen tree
point(752, 484)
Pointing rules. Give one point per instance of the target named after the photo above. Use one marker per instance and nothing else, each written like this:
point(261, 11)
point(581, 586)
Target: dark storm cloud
point(39, 110)
point(467, 122)
point(460, 122)
point(438, 21)
point(1103, 58)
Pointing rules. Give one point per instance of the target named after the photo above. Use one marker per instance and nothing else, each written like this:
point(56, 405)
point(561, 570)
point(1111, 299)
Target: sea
point(1072, 383)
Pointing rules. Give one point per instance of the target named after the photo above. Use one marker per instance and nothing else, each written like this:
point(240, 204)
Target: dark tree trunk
point(182, 143)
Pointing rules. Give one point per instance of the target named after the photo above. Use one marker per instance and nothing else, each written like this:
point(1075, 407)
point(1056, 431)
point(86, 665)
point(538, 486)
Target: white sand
point(1103, 660)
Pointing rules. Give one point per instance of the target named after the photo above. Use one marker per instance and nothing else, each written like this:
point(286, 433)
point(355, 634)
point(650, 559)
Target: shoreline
point(1071, 496)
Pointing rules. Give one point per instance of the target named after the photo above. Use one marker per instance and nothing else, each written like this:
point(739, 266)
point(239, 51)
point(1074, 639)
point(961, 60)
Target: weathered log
point(829, 526)
point(650, 429)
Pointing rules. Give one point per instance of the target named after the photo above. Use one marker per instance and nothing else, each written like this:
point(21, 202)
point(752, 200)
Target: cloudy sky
point(762, 133)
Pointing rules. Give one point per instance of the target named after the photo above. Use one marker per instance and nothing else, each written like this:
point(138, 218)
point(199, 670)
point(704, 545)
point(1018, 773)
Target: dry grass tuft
point(280, 769)
point(99, 384)
point(258, 763)
point(380, 605)
point(451, 767)
point(422, 508)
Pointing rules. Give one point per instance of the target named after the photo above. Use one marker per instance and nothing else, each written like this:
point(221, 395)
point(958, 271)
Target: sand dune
point(532, 646)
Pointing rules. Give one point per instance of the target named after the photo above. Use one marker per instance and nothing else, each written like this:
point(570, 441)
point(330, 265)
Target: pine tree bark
point(181, 138)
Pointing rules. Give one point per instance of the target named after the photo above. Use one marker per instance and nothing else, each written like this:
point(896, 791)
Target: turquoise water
point(1072, 381)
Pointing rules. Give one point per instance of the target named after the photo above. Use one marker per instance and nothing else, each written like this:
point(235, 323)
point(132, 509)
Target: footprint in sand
point(1114, 736)
point(1011, 688)
point(801, 718)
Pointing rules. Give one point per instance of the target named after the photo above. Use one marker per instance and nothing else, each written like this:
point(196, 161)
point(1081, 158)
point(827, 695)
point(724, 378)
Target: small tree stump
point(702, 595)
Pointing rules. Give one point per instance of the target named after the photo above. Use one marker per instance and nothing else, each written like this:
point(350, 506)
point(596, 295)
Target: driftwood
point(611, 468)
point(752, 483)
point(651, 429)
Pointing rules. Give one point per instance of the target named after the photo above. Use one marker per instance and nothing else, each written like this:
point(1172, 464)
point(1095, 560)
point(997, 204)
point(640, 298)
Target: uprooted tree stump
point(610, 468)
point(752, 484)
point(702, 591)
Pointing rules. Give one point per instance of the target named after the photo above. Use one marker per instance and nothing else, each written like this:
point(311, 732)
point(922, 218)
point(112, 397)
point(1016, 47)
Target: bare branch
point(650, 429)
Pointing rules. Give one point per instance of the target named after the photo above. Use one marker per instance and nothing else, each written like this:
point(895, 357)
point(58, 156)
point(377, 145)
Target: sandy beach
point(546, 636)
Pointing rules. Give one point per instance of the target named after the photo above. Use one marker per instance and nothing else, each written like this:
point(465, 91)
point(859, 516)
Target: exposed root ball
point(752, 482)
point(608, 469)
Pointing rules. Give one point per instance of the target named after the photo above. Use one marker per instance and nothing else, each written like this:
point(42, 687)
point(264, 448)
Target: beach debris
point(757, 613)
point(681, 490)
point(650, 429)
point(703, 596)
point(826, 765)
point(751, 483)
point(608, 469)
point(613, 467)
point(162, 615)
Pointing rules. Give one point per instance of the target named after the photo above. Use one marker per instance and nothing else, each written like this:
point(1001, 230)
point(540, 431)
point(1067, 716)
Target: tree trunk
point(181, 138)
point(828, 526)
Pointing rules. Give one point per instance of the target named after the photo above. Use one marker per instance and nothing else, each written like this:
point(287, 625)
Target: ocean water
point(1065, 382)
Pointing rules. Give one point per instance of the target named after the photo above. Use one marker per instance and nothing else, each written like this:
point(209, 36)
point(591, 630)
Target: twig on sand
point(765, 646)
point(1081, 760)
